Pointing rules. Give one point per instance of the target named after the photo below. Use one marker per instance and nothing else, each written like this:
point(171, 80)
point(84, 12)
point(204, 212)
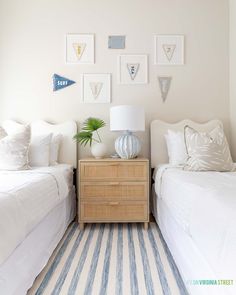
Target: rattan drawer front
point(102, 171)
point(113, 211)
point(114, 190)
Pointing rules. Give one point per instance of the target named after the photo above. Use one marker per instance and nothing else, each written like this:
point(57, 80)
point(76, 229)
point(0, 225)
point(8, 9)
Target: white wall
point(233, 75)
point(32, 50)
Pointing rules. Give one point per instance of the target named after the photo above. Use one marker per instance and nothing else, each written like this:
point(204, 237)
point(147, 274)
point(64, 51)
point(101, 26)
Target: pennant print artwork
point(96, 88)
point(79, 49)
point(60, 82)
point(133, 69)
point(164, 83)
point(169, 50)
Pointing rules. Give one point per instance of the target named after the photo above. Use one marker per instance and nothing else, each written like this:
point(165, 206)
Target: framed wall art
point(133, 69)
point(169, 49)
point(96, 88)
point(80, 49)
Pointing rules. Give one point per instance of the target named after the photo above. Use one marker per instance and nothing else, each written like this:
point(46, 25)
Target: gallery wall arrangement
point(131, 68)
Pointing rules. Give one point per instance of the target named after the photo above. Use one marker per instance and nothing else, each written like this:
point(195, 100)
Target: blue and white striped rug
point(110, 259)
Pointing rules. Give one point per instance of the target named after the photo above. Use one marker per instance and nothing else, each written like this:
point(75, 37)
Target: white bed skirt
point(19, 271)
point(190, 262)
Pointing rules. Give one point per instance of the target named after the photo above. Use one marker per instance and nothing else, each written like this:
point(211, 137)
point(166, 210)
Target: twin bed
point(196, 213)
point(36, 207)
point(194, 210)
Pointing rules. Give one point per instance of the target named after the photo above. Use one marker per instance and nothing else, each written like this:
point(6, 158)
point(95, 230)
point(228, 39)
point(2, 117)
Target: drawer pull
point(114, 164)
point(113, 203)
point(114, 183)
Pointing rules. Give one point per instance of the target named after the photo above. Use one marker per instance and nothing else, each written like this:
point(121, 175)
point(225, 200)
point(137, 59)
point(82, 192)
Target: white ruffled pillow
point(14, 150)
point(39, 152)
point(176, 147)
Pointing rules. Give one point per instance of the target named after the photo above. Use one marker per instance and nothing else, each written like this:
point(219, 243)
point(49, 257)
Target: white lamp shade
point(127, 117)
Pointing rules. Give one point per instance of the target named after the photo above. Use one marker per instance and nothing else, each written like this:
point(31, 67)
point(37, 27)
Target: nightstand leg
point(81, 225)
point(145, 225)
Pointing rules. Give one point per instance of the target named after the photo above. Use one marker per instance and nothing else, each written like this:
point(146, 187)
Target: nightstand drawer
point(114, 190)
point(113, 211)
point(117, 171)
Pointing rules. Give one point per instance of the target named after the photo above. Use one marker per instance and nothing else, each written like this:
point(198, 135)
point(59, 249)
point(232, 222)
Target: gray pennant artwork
point(164, 83)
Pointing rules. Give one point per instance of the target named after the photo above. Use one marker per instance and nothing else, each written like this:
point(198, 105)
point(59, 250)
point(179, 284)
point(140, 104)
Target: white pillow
point(176, 147)
point(12, 127)
point(39, 152)
point(54, 149)
point(14, 150)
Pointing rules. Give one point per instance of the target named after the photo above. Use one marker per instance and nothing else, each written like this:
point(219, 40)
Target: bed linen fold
point(204, 205)
point(26, 197)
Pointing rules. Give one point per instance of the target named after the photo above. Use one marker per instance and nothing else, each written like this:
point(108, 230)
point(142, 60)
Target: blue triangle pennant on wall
point(60, 82)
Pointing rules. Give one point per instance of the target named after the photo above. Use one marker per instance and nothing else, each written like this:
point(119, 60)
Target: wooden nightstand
point(113, 190)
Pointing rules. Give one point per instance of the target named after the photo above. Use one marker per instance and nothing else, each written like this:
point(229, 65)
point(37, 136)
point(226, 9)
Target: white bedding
point(26, 197)
point(204, 206)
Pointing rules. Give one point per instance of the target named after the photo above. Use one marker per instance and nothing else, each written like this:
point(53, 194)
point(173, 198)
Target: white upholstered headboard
point(68, 147)
point(158, 130)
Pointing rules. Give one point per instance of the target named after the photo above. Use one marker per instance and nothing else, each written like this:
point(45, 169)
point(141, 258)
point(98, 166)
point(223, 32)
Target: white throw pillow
point(39, 152)
point(54, 149)
point(12, 127)
point(176, 147)
point(14, 150)
point(207, 151)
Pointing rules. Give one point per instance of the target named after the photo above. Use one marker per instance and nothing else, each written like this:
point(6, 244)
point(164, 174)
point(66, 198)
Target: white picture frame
point(133, 69)
point(80, 49)
point(169, 50)
point(96, 88)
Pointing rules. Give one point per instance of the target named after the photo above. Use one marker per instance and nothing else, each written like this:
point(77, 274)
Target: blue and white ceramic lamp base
point(128, 146)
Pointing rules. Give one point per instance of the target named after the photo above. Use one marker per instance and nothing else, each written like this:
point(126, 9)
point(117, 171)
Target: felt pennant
point(169, 50)
point(96, 88)
point(60, 82)
point(79, 49)
point(133, 70)
point(164, 83)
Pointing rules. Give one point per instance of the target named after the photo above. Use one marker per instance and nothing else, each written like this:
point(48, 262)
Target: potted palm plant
point(87, 134)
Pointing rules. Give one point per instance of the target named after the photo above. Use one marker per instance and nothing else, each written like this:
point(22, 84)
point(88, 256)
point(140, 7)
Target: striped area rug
point(119, 259)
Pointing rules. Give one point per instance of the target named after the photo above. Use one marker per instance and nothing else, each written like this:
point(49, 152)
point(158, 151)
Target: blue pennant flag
point(60, 82)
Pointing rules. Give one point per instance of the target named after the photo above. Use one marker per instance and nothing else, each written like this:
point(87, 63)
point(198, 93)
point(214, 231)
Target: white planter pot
point(98, 150)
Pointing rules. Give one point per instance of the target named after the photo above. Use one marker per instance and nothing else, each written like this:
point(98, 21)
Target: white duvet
point(26, 197)
point(204, 205)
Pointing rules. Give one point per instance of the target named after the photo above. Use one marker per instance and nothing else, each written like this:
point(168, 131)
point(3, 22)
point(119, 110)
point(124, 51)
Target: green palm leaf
point(93, 124)
point(84, 137)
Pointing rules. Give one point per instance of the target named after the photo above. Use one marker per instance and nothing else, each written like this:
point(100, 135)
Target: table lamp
point(127, 118)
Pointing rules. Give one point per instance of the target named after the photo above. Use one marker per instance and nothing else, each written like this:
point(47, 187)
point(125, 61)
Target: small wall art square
point(116, 42)
point(133, 69)
point(96, 88)
point(169, 49)
point(80, 49)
